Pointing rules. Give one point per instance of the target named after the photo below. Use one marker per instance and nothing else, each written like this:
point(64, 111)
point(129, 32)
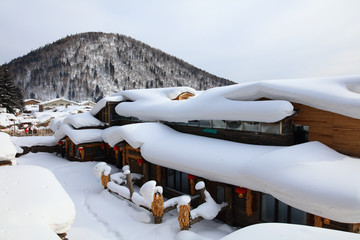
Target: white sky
point(241, 40)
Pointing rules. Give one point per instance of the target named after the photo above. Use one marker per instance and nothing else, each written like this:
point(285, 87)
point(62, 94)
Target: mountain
point(91, 65)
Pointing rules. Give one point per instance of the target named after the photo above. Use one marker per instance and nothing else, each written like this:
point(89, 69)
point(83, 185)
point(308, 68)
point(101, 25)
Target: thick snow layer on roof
point(102, 103)
point(30, 141)
point(32, 194)
point(59, 99)
point(78, 136)
point(335, 94)
point(83, 120)
point(7, 148)
point(283, 231)
point(155, 104)
point(310, 176)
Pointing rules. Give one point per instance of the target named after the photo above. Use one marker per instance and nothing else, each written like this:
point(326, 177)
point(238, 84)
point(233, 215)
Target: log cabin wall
point(338, 132)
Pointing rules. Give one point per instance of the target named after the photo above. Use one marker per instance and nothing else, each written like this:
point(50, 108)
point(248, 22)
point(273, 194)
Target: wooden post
point(317, 221)
point(355, 228)
point(229, 200)
point(105, 180)
point(249, 198)
point(184, 217)
point(202, 195)
point(158, 174)
point(157, 207)
point(146, 171)
point(129, 182)
point(123, 156)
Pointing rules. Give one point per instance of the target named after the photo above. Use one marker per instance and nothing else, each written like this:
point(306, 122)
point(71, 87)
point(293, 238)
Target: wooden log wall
point(338, 132)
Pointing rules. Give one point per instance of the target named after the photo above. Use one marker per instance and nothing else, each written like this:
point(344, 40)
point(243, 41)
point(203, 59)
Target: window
point(205, 123)
point(273, 210)
point(301, 134)
point(193, 123)
point(270, 128)
point(234, 125)
point(220, 194)
point(219, 124)
point(177, 180)
point(251, 126)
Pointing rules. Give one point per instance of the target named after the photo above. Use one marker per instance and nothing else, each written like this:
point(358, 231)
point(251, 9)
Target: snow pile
point(15, 230)
point(101, 168)
point(78, 136)
point(283, 231)
point(102, 103)
point(209, 209)
point(6, 119)
point(7, 148)
point(325, 177)
point(56, 123)
point(83, 120)
point(32, 194)
point(237, 102)
point(30, 141)
point(121, 190)
point(335, 94)
point(155, 105)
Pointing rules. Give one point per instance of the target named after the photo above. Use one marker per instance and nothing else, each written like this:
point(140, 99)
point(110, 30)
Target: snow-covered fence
point(150, 197)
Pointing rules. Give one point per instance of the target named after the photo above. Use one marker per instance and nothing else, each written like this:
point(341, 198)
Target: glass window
point(193, 123)
point(184, 183)
point(234, 125)
point(220, 194)
point(219, 124)
point(282, 212)
point(270, 128)
point(251, 126)
point(286, 127)
point(170, 181)
point(205, 123)
point(267, 208)
point(298, 216)
point(177, 181)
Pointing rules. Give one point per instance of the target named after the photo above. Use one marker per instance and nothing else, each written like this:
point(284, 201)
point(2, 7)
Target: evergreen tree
point(10, 96)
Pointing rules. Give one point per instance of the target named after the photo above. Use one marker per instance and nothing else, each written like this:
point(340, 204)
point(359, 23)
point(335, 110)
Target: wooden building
point(83, 152)
point(245, 206)
point(58, 102)
point(338, 132)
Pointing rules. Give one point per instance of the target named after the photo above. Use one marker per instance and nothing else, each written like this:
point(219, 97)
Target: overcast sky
point(241, 40)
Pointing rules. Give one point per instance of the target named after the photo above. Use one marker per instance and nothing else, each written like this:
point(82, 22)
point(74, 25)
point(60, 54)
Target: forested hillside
point(91, 65)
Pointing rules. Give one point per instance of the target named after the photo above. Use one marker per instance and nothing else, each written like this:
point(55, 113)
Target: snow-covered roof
point(79, 136)
point(283, 231)
point(59, 99)
point(83, 120)
point(7, 148)
point(32, 196)
point(237, 102)
point(30, 141)
point(335, 94)
point(102, 103)
point(310, 176)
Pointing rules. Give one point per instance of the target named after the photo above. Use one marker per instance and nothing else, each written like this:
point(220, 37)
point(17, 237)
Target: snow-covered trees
point(10, 96)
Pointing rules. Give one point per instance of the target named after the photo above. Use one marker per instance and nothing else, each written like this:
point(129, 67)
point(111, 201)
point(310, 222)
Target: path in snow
point(102, 216)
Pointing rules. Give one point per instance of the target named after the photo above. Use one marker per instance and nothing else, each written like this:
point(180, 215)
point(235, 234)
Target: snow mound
point(34, 195)
point(282, 231)
point(7, 148)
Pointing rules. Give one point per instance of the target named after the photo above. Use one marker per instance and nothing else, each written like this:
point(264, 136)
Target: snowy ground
point(102, 216)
